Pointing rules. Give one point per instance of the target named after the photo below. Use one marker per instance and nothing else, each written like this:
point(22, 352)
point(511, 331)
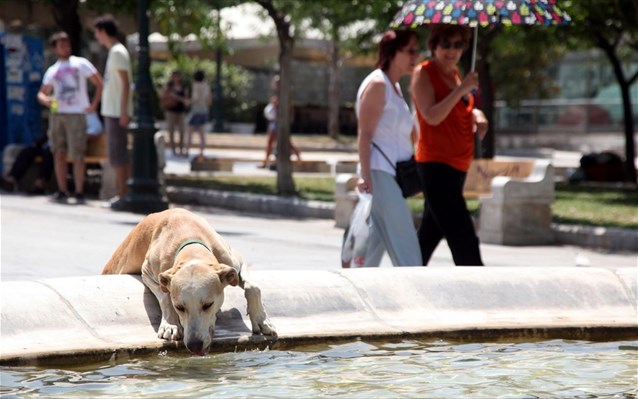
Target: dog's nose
point(196, 346)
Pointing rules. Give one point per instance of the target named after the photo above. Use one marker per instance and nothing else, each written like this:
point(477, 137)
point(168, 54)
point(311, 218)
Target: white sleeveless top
point(393, 131)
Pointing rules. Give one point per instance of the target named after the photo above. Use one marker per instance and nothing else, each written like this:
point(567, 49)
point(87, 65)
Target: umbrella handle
point(475, 40)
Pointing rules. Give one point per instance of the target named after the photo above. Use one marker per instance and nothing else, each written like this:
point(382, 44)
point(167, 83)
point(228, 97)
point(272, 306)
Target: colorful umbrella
point(473, 13)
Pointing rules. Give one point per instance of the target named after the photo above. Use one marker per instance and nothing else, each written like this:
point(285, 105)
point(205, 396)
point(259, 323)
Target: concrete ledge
point(102, 315)
point(265, 204)
point(609, 238)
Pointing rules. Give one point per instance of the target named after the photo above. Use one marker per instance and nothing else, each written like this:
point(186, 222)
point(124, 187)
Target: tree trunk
point(485, 100)
point(487, 106)
point(630, 149)
point(285, 183)
point(334, 94)
point(65, 13)
point(623, 83)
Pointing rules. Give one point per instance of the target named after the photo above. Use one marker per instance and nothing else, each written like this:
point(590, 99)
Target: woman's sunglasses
point(446, 44)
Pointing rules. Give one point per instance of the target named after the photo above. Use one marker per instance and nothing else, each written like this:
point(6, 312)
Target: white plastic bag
point(353, 250)
point(94, 125)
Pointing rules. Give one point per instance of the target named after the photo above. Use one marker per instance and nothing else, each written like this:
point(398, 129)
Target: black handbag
point(406, 174)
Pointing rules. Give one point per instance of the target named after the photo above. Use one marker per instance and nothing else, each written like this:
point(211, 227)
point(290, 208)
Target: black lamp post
point(144, 194)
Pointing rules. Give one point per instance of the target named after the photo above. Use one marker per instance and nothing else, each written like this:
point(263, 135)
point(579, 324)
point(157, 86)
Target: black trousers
point(26, 157)
point(445, 214)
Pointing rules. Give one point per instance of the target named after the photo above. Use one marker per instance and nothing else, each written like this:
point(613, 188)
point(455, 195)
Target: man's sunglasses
point(446, 44)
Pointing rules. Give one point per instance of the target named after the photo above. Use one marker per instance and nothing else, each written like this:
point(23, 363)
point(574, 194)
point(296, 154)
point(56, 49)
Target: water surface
point(404, 369)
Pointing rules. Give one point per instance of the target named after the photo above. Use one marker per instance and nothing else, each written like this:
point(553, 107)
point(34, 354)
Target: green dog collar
point(189, 242)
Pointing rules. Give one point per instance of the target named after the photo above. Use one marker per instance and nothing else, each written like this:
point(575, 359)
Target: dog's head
point(197, 293)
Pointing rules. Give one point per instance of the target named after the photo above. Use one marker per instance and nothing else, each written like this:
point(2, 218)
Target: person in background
point(448, 122)
point(64, 92)
point(24, 160)
point(174, 101)
point(385, 138)
point(200, 102)
point(117, 103)
point(270, 113)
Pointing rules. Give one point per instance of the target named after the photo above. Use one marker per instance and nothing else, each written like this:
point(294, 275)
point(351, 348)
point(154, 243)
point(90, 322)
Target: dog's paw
point(264, 326)
point(169, 331)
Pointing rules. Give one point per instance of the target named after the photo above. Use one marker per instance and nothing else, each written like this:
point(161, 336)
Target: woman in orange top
point(447, 124)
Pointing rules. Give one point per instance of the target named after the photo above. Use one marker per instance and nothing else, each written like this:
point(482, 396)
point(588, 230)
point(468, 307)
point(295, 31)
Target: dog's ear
point(165, 281)
point(228, 275)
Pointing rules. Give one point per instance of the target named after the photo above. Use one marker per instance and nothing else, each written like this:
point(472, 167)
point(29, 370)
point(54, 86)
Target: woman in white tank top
point(384, 119)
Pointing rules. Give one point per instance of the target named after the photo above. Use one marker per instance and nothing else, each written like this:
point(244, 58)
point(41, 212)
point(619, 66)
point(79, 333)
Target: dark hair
point(391, 42)
point(440, 32)
point(108, 24)
point(198, 76)
point(53, 40)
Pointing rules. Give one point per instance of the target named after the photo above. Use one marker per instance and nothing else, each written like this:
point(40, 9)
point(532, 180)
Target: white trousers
point(391, 225)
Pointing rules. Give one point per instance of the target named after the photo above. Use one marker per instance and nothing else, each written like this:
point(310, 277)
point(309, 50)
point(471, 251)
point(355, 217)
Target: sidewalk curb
point(265, 204)
point(609, 239)
point(80, 318)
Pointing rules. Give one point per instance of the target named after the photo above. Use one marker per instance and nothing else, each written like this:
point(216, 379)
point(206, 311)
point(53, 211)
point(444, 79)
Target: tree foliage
point(612, 26)
point(343, 23)
point(177, 19)
point(520, 61)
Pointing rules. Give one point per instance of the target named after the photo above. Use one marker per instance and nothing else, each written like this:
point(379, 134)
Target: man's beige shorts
point(68, 134)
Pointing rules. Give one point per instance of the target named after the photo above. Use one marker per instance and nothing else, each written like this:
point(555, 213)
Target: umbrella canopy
point(480, 12)
point(473, 13)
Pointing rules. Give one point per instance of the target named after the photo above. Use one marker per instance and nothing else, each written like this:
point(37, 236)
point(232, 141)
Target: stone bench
point(517, 209)
point(515, 200)
point(481, 172)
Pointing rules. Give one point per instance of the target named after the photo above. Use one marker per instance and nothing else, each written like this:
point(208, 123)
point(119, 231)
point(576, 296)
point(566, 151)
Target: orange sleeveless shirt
point(451, 141)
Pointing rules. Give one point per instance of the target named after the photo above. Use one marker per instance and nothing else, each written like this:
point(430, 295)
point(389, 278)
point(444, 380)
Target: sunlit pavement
point(40, 239)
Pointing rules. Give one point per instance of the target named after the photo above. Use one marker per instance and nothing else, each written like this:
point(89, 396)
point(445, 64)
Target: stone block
point(311, 167)
point(212, 164)
point(518, 211)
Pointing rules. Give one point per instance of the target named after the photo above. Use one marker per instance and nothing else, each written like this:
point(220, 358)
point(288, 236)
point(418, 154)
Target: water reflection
point(558, 368)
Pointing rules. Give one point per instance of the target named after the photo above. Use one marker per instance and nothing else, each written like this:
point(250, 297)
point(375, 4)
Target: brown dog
point(186, 264)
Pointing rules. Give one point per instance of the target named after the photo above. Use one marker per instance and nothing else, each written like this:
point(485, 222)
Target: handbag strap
point(384, 156)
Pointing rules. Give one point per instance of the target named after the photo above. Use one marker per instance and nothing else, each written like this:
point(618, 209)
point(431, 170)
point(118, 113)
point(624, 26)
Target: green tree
point(285, 34)
point(331, 17)
point(612, 26)
point(335, 19)
point(512, 63)
point(176, 19)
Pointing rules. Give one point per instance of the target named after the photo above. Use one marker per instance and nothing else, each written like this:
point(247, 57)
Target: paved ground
point(39, 239)
point(43, 240)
